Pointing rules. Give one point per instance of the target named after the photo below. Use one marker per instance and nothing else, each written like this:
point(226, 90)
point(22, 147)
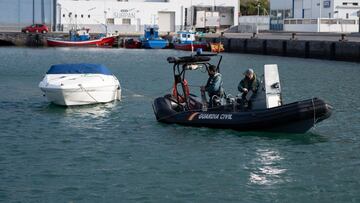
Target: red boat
point(102, 42)
point(81, 38)
point(191, 47)
point(132, 43)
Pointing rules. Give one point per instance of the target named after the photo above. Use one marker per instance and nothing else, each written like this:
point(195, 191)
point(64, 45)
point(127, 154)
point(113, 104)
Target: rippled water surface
point(117, 152)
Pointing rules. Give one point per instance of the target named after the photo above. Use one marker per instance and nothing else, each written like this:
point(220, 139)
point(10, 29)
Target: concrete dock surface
point(305, 36)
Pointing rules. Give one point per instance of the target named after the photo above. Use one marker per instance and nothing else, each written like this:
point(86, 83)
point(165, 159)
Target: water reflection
point(310, 137)
point(267, 171)
point(87, 116)
point(90, 111)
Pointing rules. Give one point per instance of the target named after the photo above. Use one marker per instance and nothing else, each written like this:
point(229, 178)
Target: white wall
point(140, 12)
point(324, 28)
point(311, 25)
point(312, 8)
point(349, 9)
point(251, 24)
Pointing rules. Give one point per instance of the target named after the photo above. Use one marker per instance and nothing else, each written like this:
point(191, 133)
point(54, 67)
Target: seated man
point(249, 83)
point(214, 84)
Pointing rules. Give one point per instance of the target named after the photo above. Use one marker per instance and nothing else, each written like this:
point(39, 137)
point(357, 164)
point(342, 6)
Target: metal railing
point(329, 21)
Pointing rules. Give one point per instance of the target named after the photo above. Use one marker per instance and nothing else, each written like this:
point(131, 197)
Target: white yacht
point(80, 84)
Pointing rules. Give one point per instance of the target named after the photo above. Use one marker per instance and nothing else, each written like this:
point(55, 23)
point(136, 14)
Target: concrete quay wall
point(329, 50)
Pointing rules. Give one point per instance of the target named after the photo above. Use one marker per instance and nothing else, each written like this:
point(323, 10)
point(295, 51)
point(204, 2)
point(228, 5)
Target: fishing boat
point(80, 38)
point(132, 43)
point(152, 40)
point(80, 84)
point(267, 112)
point(185, 40)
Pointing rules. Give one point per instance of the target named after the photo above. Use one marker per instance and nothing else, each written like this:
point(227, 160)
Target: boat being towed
point(266, 111)
point(80, 84)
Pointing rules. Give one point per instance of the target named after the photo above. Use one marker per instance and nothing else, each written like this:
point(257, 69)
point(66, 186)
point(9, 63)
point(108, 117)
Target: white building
point(132, 15)
point(315, 15)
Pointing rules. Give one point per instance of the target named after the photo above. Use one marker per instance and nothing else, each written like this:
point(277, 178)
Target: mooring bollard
point(293, 36)
point(342, 38)
point(254, 35)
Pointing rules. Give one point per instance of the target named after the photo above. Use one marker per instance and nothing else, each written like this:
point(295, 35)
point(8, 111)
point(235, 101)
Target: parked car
point(36, 28)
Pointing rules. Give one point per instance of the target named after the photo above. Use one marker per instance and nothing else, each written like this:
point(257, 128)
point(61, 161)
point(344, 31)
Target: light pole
point(358, 14)
point(33, 4)
point(319, 22)
point(106, 28)
point(19, 14)
point(42, 12)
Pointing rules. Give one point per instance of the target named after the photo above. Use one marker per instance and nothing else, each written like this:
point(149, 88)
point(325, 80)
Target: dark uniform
point(214, 86)
point(250, 85)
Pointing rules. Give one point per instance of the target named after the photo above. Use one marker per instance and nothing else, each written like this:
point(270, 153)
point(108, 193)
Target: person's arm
point(209, 87)
point(241, 86)
point(255, 85)
point(217, 83)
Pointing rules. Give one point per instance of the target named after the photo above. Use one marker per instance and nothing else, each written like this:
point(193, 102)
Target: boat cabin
point(79, 35)
point(184, 36)
point(151, 32)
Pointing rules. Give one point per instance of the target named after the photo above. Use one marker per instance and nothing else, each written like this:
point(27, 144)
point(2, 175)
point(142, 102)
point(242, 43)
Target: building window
point(355, 4)
point(347, 16)
point(110, 21)
point(88, 16)
point(82, 15)
point(344, 3)
point(126, 21)
point(75, 15)
point(63, 15)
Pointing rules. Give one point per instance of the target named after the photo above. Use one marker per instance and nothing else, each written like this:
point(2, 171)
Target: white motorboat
point(80, 84)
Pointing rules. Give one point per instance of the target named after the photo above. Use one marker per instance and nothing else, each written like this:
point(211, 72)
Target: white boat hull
point(70, 90)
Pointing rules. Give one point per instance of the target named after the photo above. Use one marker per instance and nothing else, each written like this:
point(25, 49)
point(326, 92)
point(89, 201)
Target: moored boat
point(132, 43)
point(80, 84)
point(81, 38)
point(186, 41)
point(152, 40)
point(266, 112)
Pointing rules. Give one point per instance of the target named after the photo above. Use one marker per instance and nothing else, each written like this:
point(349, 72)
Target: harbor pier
point(330, 48)
point(327, 47)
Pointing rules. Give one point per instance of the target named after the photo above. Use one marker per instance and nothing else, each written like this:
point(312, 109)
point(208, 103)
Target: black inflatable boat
point(267, 113)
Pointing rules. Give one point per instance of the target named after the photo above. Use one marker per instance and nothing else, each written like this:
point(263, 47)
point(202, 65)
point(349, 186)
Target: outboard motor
point(269, 93)
point(272, 86)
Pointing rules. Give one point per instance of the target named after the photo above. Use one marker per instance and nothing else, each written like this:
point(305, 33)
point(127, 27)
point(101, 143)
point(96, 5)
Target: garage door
point(166, 21)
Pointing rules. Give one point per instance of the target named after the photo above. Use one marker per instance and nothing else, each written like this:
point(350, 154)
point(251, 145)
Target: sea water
point(118, 152)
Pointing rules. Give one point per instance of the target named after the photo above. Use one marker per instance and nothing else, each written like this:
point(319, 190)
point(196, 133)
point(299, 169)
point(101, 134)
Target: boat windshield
point(83, 68)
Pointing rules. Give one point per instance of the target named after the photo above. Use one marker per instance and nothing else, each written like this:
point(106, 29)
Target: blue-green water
point(117, 152)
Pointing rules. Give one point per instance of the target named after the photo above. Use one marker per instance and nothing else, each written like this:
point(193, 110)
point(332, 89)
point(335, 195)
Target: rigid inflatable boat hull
point(296, 117)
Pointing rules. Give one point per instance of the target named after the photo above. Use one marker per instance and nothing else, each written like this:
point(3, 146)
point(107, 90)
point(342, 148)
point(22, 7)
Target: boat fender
point(181, 98)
